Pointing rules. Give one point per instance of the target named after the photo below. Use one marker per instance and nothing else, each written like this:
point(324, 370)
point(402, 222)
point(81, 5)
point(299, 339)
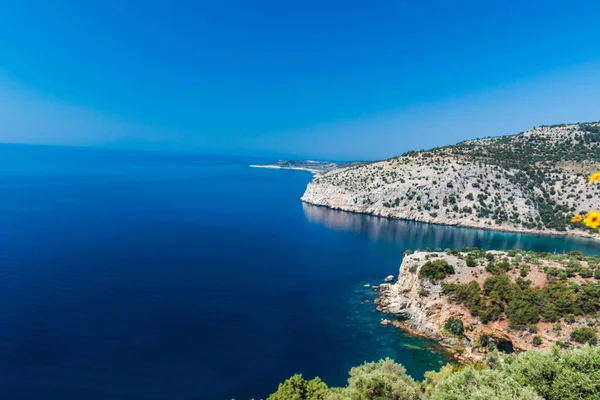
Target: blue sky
point(320, 79)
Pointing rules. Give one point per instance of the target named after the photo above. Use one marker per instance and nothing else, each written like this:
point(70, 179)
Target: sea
point(142, 275)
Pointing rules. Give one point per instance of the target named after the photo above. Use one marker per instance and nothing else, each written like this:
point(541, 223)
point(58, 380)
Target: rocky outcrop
point(423, 309)
point(532, 182)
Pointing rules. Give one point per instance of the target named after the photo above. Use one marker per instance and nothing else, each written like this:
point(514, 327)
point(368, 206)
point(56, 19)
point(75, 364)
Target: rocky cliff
point(424, 307)
point(530, 182)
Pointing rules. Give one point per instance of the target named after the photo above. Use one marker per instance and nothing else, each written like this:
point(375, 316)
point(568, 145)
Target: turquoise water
point(130, 275)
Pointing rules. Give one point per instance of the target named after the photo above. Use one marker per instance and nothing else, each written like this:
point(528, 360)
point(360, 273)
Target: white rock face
point(426, 309)
point(447, 187)
point(419, 300)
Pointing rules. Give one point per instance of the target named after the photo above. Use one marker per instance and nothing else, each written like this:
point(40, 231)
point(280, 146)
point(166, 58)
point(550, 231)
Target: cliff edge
point(512, 301)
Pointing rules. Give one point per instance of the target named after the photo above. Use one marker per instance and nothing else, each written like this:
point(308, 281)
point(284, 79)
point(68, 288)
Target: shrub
point(522, 313)
point(484, 340)
point(432, 378)
point(471, 262)
point(454, 326)
point(557, 374)
point(576, 254)
point(537, 340)
point(586, 273)
point(584, 335)
point(298, 388)
point(382, 380)
point(436, 270)
point(471, 384)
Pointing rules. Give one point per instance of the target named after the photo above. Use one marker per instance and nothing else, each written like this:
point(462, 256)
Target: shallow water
point(129, 275)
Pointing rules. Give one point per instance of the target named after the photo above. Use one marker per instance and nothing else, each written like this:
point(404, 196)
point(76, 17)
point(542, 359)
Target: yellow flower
point(595, 177)
point(592, 219)
point(577, 218)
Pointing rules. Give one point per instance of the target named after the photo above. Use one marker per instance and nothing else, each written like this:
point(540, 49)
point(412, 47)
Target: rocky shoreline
point(460, 186)
point(384, 213)
point(419, 307)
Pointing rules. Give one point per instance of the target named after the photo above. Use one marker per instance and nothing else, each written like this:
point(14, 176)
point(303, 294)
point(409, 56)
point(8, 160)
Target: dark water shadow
point(417, 235)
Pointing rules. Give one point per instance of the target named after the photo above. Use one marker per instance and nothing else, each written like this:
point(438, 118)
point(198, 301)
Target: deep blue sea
point(132, 275)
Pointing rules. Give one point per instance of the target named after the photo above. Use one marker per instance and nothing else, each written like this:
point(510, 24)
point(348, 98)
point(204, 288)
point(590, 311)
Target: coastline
point(425, 307)
point(378, 214)
point(453, 352)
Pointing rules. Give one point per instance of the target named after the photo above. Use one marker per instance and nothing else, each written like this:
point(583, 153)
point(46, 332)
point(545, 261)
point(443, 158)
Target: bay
point(138, 275)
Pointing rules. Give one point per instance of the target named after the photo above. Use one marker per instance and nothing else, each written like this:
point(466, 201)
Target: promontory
point(531, 182)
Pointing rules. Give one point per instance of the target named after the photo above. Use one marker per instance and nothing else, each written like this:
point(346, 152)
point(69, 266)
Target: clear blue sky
point(324, 79)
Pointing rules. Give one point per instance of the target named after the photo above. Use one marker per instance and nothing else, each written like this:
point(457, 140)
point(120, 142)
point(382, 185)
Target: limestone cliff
point(424, 308)
point(531, 182)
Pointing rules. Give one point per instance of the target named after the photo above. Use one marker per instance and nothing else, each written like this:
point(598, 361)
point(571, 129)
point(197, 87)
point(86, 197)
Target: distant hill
point(318, 168)
point(531, 182)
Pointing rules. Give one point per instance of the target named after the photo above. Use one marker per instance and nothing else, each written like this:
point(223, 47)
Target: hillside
point(513, 299)
point(531, 182)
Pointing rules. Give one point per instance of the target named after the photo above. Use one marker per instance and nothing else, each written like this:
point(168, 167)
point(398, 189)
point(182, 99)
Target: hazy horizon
point(158, 149)
point(330, 81)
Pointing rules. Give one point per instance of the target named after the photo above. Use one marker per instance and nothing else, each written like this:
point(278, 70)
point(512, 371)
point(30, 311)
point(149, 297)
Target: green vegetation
point(584, 335)
point(523, 304)
point(436, 270)
point(454, 326)
point(298, 388)
point(554, 374)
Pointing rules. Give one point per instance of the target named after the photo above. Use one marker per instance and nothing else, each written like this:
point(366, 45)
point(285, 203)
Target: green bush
point(557, 374)
point(484, 340)
point(471, 384)
point(586, 273)
point(298, 388)
point(537, 340)
point(436, 270)
point(576, 254)
point(454, 326)
point(381, 381)
point(584, 335)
